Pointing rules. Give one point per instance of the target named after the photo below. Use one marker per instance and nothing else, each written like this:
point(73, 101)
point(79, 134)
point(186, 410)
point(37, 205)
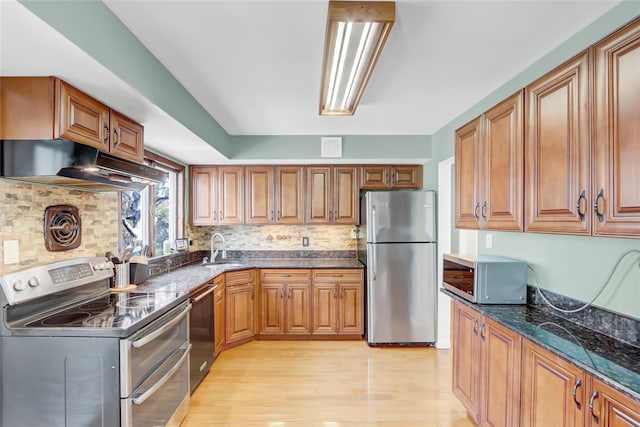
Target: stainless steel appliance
point(487, 279)
point(74, 354)
point(400, 235)
point(202, 335)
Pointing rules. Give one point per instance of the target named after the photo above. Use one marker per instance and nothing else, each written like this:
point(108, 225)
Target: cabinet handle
point(338, 275)
point(594, 396)
point(278, 215)
point(475, 211)
point(116, 137)
point(252, 291)
point(482, 211)
point(106, 135)
point(330, 214)
point(475, 326)
point(281, 293)
point(482, 331)
point(580, 198)
point(334, 291)
point(596, 205)
point(220, 215)
point(335, 215)
point(271, 217)
point(575, 391)
point(342, 293)
point(289, 293)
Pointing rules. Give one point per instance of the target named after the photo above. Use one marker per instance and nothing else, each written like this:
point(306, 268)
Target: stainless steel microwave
point(486, 279)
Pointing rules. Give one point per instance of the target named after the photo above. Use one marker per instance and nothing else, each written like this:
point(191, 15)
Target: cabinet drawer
point(282, 275)
point(338, 275)
point(240, 277)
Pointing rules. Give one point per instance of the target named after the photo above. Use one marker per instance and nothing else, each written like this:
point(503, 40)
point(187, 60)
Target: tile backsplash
point(276, 237)
point(22, 208)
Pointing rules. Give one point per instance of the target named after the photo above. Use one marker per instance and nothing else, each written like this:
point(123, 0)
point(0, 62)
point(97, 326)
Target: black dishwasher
point(202, 335)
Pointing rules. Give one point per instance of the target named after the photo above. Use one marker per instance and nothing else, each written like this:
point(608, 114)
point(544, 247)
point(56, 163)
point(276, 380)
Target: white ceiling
point(255, 65)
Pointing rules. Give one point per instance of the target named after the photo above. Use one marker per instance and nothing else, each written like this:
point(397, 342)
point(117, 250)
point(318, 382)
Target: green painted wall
point(570, 265)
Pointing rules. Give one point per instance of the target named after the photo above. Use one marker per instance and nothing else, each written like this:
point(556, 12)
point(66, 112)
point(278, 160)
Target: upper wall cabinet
point(332, 195)
point(217, 195)
point(616, 148)
point(398, 177)
point(489, 158)
point(48, 108)
point(274, 195)
point(557, 151)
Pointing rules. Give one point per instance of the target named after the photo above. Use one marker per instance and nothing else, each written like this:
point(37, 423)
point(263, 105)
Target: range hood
point(69, 164)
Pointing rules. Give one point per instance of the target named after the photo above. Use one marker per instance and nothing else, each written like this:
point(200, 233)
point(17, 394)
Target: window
point(155, 215)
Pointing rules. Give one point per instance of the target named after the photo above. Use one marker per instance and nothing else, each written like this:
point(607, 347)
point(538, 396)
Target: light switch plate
point(488, 243)
point(11, 252)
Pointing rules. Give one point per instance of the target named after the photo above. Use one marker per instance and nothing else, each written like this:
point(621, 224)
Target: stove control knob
point(34, 282)
point(19, 285)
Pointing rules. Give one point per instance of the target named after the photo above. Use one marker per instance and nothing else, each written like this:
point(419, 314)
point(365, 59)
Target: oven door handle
point(147, 394)
point(203, 294)
point(155, 334)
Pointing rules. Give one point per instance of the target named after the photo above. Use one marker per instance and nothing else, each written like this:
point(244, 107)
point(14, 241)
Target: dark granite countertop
point(193, 276)
point(614, 362)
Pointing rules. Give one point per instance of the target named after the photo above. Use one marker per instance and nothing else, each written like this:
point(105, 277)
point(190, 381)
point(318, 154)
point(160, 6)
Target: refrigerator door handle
point(372, 233)
point(375, 262)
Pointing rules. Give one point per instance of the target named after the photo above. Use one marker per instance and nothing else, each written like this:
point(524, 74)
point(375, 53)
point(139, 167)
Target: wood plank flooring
point(327, 384)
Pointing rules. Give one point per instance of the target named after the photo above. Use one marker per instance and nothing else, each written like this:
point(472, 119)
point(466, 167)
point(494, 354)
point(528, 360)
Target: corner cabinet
point(219, 313)
point(239, 310)
point(616, 148)
point(398, 177)
point(332, 195)
point(217, 195)
point(49, 108)
point(489, 161)
point(274, 195)
point(486, 367)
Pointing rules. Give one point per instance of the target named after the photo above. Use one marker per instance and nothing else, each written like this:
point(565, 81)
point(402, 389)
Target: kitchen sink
point(224, 263)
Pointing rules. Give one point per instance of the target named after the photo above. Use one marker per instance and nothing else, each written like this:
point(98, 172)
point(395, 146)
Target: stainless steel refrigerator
point(399, 230)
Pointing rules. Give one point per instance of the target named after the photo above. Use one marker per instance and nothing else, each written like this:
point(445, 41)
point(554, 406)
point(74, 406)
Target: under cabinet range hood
point(69, 164)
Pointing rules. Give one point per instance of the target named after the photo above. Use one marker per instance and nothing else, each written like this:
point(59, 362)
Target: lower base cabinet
point(284, 302)
point(503, 379)
point(239, 310)
point(338, 302)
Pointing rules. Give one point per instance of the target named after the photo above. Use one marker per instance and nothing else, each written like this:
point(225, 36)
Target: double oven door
point(154, 372)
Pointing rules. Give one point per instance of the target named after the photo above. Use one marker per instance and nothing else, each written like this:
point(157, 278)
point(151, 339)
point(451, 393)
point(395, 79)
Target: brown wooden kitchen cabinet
point(284, 302)
point(219, 313)
point(338, 302)
point(391, 177)
point(274, 195)
point(610, 408)
point(239, 313)
point(553, 390)
point(557, 151)
point(486, 367)
point(217, 195)
point(489, 176)
point(49, 108)
point(616, 150)
point(332, 195)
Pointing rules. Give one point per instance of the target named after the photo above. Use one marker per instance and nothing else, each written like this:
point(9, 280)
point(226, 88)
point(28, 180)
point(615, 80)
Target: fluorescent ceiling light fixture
point(356, 33)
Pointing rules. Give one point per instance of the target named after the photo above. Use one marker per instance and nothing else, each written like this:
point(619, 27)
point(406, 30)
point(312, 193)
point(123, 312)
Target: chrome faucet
point(214, 247)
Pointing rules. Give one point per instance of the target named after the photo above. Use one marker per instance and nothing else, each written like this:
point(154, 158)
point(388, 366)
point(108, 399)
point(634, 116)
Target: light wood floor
point(327, 384)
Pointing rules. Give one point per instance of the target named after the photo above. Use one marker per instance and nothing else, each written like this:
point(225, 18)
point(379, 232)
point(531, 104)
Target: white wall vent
point(331, 146)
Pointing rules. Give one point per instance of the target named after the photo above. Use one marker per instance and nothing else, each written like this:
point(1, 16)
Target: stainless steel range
point(74, 354)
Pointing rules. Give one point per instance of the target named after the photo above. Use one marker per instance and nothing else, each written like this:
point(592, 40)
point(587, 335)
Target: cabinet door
point(271, 303)
point(610, 408)
point(127, 137)
point(616, 188)
point(289, 195)
point(467, 158)
point(466, 356)
point(324, 308)
point(204, 181)
point(27, 107)
point(502, 162)
point(351, 308)
point(318, 195)
point(231, 195)
point(239, 312)
point(405, 177)
point(557, 151)
point(548, 383)
point(219, 314)
point(374, 177)
point(345, 195)
point(500, 375)
point(298, 316)
point(81, 118)
point(259, 195)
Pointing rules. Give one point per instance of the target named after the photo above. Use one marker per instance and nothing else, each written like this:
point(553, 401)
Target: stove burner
point(65, 318)
point(98, 304)
point(108, 321)
point(141, 302)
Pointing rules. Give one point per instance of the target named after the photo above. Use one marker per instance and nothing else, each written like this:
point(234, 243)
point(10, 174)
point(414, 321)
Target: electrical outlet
point(488, 243)
point(11, 252)
point(305, 241)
